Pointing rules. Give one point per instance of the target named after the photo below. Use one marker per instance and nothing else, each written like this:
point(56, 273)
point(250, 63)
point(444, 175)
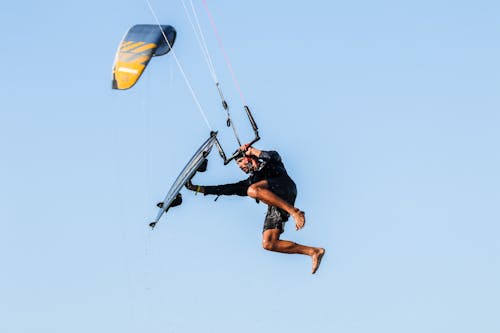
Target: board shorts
point(285, 188)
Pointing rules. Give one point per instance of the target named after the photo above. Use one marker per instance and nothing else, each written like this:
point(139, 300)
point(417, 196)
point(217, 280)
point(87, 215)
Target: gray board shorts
point(285, 188)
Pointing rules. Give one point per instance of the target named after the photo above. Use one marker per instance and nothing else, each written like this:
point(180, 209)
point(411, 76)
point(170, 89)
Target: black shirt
point(270, 167)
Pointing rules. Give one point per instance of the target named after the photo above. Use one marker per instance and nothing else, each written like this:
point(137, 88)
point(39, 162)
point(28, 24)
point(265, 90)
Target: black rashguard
point(271, 169)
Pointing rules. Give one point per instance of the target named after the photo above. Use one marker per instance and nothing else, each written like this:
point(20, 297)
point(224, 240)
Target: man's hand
point(249, 150)
point(245, 147)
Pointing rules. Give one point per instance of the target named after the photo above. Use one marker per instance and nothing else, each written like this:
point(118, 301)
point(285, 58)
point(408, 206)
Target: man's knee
point(253, 191)
point(269, 244)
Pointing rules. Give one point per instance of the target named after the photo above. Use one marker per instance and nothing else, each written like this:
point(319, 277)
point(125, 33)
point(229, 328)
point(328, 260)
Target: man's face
point(246, 164)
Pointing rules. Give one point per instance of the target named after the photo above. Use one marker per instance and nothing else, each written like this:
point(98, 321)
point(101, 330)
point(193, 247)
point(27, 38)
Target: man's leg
point(271, 241)
point(261, 192)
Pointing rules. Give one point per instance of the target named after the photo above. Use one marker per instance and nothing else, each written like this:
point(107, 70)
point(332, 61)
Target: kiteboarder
point(270, 183)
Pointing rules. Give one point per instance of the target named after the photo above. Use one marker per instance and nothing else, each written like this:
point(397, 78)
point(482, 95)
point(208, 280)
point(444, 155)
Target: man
point(268, 182)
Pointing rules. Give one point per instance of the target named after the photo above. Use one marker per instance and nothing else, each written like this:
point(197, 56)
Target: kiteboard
point(197, 163)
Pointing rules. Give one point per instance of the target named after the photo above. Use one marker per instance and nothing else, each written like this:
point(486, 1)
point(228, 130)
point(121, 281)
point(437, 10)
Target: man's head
point(247, 163)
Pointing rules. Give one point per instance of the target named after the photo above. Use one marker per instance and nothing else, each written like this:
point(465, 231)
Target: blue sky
point(385, 113)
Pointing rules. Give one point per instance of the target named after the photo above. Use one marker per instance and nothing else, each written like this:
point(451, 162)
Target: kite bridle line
point(191, 90)
point(226, 57)
point(201, 41)
point(200, 37)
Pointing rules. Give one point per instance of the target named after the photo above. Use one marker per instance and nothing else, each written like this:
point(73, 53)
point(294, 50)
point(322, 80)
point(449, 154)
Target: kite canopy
point(139, 45)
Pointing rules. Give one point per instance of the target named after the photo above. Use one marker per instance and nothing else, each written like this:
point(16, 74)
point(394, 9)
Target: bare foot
point(316, 258)
point(300, 219)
